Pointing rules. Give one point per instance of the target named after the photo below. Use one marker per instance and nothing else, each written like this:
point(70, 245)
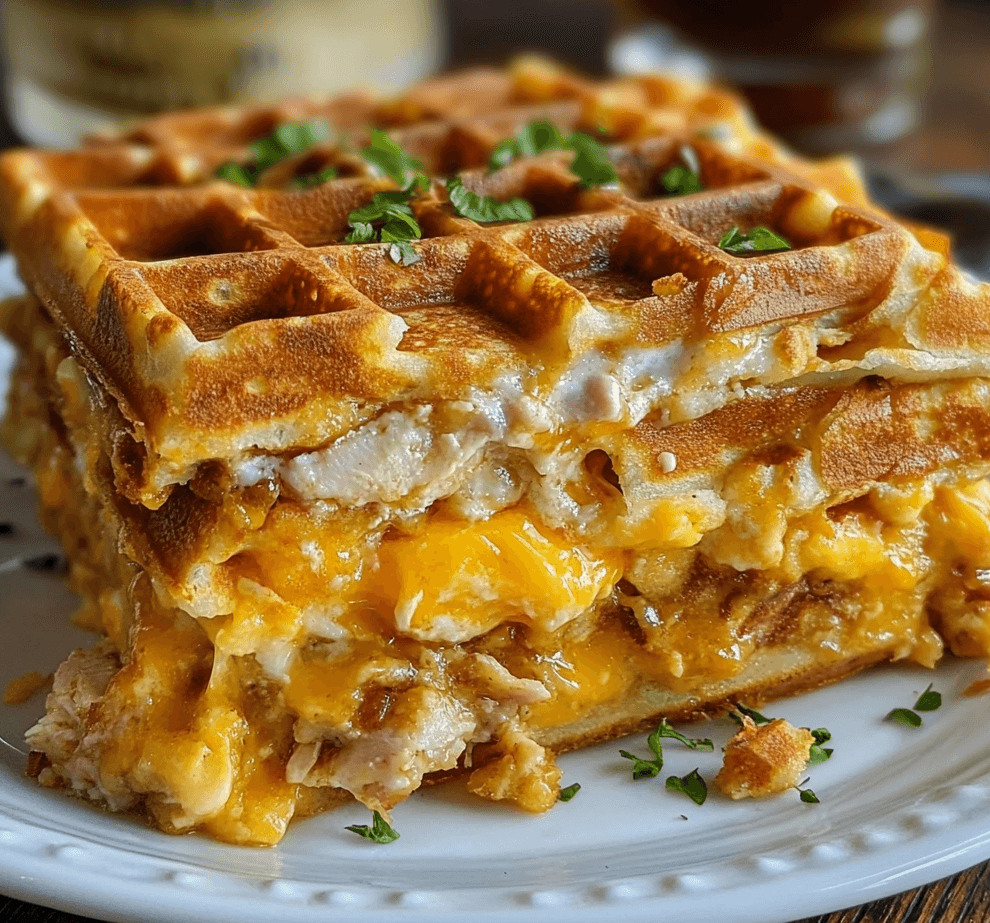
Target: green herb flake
point(591, 162)
point(643, 769)
point(400, 226)
point(695, 743)
point(818, 754)
point(685, 178)
point(235, 173)
point(681, 181)
point(362, 233)
point(378, 832)
point(691, 785)
point(484, 209)
point(388, 218)
point(566, 794)
point(758, 240)
point(503, 154)
point(533, 138)
point(537, 137)
point(385, 206)
point(647, 769)
point(904, 716)
point(807, 795)
point(288, 139)
point(402, 252)
point(382, 205)
point(310, 180)
point(751, 713)
point(929, 700)
point(388, 158)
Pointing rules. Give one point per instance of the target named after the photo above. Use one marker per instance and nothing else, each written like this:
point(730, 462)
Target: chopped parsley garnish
point(904, 716)
point(818, 753)
point(752, 713)
point(388, 158)
point(647, 769)
point(566, 794)
point(286, 140)
point(484, 209)
point(378, 832)
point(235, 173)
point(807, 795)
point(388, 218)
point(591, 163)
point(681, 181)
point(531, 139)
point(691, 785)
point(309, 180)
point(391, 207)
point(401, 252)
point(651, 768)
point(695, 743)
point(759, 240)
point(685, 178)
point(928, 700)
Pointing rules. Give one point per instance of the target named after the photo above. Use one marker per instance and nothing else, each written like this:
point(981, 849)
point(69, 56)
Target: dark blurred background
point(940, 62)
point(906, 83)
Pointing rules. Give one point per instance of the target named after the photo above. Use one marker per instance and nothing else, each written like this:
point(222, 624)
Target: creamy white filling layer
point(428, 450)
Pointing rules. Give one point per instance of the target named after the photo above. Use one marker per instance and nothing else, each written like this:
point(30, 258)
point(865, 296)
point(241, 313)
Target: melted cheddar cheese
point(454, 581)
point(336, 615)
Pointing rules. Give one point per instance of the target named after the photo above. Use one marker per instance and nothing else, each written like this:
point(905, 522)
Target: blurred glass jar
point(75, 66)
point(828, 76)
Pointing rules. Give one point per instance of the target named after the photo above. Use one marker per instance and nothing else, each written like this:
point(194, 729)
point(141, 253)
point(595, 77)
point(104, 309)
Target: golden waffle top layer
point(354, 523)
point(230, 323)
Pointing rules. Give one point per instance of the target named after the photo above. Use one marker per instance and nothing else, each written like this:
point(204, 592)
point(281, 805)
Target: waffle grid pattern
point(148, 261)
point(652, 236)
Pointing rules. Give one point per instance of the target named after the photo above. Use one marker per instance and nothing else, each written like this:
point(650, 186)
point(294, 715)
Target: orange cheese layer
point(454, 581)
point(450, 582)
point(201, 740)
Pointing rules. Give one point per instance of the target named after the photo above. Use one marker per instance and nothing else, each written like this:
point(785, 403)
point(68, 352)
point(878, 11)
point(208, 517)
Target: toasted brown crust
point(774, 674)
point(220, 318)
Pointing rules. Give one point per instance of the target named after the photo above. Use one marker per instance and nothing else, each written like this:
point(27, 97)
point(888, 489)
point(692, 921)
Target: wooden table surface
point(955, 137)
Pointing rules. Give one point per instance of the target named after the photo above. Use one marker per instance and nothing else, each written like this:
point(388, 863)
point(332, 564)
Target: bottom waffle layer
point(236, 721)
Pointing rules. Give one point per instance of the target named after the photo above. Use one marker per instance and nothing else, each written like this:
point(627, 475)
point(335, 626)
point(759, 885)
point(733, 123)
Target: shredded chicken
point(492, 679)
point(425, 731)
point(62, 733)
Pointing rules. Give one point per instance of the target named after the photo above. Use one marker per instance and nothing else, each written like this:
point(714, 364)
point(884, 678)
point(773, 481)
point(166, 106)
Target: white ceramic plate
point(899, 807)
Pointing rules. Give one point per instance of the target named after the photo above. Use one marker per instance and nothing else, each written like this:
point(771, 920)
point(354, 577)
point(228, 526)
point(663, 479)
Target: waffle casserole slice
point(349, 521)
